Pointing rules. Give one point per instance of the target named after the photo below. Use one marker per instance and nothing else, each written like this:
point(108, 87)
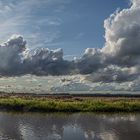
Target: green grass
point(70, 105)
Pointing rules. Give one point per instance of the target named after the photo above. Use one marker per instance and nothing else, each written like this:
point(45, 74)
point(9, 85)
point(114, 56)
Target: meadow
point(68, 104)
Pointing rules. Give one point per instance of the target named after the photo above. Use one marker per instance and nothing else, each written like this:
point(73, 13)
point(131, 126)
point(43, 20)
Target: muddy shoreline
point(68, 95)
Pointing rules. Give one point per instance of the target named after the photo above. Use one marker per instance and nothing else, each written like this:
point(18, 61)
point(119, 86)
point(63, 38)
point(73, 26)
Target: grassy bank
point(76, 104)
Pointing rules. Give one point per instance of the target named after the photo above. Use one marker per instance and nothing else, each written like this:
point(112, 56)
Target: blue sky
point(73, 25)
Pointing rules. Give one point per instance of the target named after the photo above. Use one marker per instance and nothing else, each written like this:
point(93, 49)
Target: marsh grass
point(70, 105)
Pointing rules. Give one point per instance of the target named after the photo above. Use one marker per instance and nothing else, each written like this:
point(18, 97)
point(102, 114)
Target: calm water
point(86, 126)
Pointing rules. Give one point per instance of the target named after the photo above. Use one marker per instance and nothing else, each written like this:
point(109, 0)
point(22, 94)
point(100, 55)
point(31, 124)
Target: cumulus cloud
point(118, 60)
point(122, 33)
point(92, 60)
point(48, 62)
point(11, 55)
point(113, 73)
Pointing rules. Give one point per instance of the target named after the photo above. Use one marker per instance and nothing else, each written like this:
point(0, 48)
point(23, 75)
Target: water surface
point(81, 126)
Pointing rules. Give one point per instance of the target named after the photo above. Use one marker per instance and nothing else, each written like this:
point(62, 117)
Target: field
point(61, 103)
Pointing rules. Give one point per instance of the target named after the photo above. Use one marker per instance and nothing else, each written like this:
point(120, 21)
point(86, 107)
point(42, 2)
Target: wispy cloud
point(26, 18)
point(79, 35)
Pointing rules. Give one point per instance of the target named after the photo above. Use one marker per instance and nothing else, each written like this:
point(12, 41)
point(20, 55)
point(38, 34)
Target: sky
point(72, 25)
point(70, 45)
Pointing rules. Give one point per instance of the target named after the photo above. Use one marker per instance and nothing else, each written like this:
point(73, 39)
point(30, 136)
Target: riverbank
point(27, 103)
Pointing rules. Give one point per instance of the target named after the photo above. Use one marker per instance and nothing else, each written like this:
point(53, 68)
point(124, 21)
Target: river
point(61, 126)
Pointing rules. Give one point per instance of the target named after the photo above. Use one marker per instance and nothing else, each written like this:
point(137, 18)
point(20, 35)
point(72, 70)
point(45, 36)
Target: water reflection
point(86, 126)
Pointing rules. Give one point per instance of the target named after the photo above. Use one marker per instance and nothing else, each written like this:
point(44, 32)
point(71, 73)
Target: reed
point(70, 105)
